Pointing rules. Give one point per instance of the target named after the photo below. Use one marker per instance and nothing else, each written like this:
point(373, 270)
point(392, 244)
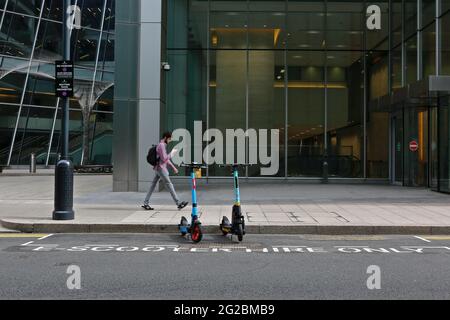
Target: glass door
point(416, 147)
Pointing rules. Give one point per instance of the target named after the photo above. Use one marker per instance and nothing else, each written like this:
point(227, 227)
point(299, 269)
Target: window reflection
point(17, 35)
point(19, 28)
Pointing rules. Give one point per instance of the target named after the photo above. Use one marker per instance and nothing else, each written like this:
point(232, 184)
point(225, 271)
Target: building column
point(138, 98)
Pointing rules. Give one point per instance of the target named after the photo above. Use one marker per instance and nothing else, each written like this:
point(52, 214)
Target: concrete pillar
point(138, 97)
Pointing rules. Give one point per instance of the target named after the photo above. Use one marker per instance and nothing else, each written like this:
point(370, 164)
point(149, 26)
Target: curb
point(30, 227)
point(6, 231)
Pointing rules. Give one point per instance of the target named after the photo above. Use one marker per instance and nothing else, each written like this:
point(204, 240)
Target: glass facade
point(340, 92)
point(311, 69)
point(296, 66)
point(31, 40)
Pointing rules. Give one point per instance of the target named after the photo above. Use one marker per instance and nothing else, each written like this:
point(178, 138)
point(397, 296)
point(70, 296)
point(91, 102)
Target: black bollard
point(63, 191)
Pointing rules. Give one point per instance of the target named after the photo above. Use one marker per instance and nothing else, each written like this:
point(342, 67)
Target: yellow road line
point(22, 235)
point(437, 237)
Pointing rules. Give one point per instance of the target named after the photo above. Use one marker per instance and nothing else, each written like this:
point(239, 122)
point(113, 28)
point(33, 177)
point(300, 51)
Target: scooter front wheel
point(196, 233)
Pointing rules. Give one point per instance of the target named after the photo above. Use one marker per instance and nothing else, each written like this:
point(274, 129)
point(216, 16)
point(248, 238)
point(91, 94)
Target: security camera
point(166, 66)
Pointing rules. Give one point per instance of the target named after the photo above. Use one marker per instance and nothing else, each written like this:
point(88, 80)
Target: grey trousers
point(164, 176)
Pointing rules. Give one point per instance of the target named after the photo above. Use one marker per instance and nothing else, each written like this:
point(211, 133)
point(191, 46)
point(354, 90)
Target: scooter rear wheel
point(196, 233)
point(240, 233)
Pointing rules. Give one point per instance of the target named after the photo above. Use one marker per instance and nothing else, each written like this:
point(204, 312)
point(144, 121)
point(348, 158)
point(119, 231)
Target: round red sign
point(413, 146)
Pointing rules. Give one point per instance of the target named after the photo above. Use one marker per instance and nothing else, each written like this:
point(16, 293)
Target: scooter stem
point(194, 196)
point(236, 187)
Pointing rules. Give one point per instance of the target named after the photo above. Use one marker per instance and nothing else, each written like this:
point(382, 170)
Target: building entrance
point(410, 141)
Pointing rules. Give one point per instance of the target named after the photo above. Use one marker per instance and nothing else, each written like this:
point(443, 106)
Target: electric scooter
point(194, 229)
point(237, 225)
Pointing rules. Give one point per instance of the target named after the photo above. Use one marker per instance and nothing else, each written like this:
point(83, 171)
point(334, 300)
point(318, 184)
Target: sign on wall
point(413, 146)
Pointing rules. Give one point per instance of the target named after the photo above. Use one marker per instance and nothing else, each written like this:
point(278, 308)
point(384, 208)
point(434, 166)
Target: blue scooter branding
point(194, 229)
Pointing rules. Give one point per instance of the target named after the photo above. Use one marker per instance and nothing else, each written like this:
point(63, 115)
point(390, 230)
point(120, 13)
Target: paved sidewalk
point(26, 204)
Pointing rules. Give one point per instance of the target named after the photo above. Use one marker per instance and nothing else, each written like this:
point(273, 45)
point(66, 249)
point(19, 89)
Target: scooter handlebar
point(194, 165)
point(235, 165)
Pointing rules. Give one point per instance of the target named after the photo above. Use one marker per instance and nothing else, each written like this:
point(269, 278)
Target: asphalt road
point(164, 266)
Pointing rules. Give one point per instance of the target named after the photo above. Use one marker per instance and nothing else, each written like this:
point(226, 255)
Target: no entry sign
point(413, 146)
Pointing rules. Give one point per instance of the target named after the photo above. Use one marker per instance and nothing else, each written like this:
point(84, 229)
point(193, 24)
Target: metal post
point(390, 38)
point(33, 163)
point(419, 41)
point(403, 46)
point(325, 131)
point(247, 79)
point(438, 142)
point(208, 69)
point(438, 37)
point(64, 168)
point(365, 93)
point(286, 95)
point(66, 56)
